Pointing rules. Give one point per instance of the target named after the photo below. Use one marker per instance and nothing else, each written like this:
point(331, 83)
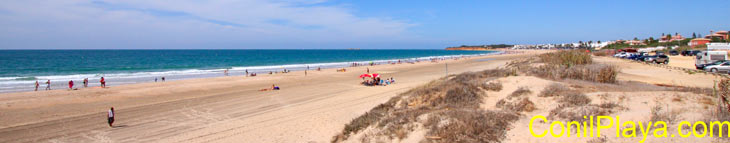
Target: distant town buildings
point(670, 38)
point(591, 45)
point(665, 41)
point(634, 42)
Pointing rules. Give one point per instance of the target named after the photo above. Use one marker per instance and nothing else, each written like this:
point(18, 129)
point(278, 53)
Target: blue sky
point(331, 24)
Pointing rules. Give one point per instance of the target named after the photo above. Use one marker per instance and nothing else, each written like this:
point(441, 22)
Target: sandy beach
point(223, 109)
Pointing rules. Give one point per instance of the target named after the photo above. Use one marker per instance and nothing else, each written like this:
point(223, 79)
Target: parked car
point(702, 66)
point(628, 55)
point(622, 55)
point(673, 52)
point(692, 53)
point(639, 56)
point(618, 55)
point(663, 59)
point(695, 52)
point(634, 57)
point(724, 67)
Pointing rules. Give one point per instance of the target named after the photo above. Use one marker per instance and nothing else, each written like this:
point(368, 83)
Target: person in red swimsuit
point(103, 83)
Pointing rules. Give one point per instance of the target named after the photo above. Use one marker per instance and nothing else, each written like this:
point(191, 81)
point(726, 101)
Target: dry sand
point(682, 61)
point(637, 106)
point(632, 71)
point(637, 101)
point(223, 109)
point(635, 94)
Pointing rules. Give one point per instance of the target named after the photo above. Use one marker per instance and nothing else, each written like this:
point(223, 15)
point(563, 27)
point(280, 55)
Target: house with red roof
point(698, 41)
point(667, 38)
point(719, 34)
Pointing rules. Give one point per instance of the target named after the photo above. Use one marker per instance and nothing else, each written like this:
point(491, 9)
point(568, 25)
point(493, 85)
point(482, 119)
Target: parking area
point(682, 61)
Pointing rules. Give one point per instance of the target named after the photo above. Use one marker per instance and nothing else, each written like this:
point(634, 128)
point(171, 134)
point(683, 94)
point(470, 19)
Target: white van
point(705, 57)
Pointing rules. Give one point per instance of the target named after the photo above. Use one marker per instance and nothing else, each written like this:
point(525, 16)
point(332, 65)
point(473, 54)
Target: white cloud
point(176, 23)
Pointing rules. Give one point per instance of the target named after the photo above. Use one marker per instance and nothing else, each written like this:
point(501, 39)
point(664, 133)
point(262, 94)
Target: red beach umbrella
point(365, 75)
point(376, 75)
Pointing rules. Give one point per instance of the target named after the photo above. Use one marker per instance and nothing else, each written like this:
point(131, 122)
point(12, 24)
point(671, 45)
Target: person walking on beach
point(225, 72)
point(110, 117)
point(103, 82)
point(305, 72)
point(163, 79)
point(86, 82)
point(155, 79)
point(368, 70)
point(246, 72)
point(36, 85)
point(71, 84)
point(48, 85)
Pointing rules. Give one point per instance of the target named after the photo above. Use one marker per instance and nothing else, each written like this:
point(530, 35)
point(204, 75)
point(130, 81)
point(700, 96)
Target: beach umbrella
point(365, 75)
point(375, 75)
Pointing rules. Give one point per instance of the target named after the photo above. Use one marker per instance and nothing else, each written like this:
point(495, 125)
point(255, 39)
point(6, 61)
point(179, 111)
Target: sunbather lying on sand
point(273, 87)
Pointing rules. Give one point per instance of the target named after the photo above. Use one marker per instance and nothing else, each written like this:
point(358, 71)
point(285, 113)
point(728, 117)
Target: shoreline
point(276, 76)
point(13, 85)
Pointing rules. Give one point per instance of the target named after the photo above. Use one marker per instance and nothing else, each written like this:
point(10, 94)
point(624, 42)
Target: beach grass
point(455, 99)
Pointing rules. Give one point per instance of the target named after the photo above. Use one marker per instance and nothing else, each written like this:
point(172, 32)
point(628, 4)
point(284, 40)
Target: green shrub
point(567, 58)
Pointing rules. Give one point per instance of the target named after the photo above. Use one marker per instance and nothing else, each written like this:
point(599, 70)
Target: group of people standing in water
point(70, 84)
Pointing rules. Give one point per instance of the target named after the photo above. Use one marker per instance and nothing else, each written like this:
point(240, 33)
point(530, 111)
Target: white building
point(718, 46)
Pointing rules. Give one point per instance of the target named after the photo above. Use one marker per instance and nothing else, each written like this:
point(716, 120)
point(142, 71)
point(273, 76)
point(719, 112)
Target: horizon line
point(255, 49)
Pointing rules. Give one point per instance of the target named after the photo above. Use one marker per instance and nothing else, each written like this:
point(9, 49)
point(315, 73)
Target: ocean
point(19, 69)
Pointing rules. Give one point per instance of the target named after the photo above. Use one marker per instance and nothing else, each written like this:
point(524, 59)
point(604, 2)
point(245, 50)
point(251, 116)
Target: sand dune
point(443, 111)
